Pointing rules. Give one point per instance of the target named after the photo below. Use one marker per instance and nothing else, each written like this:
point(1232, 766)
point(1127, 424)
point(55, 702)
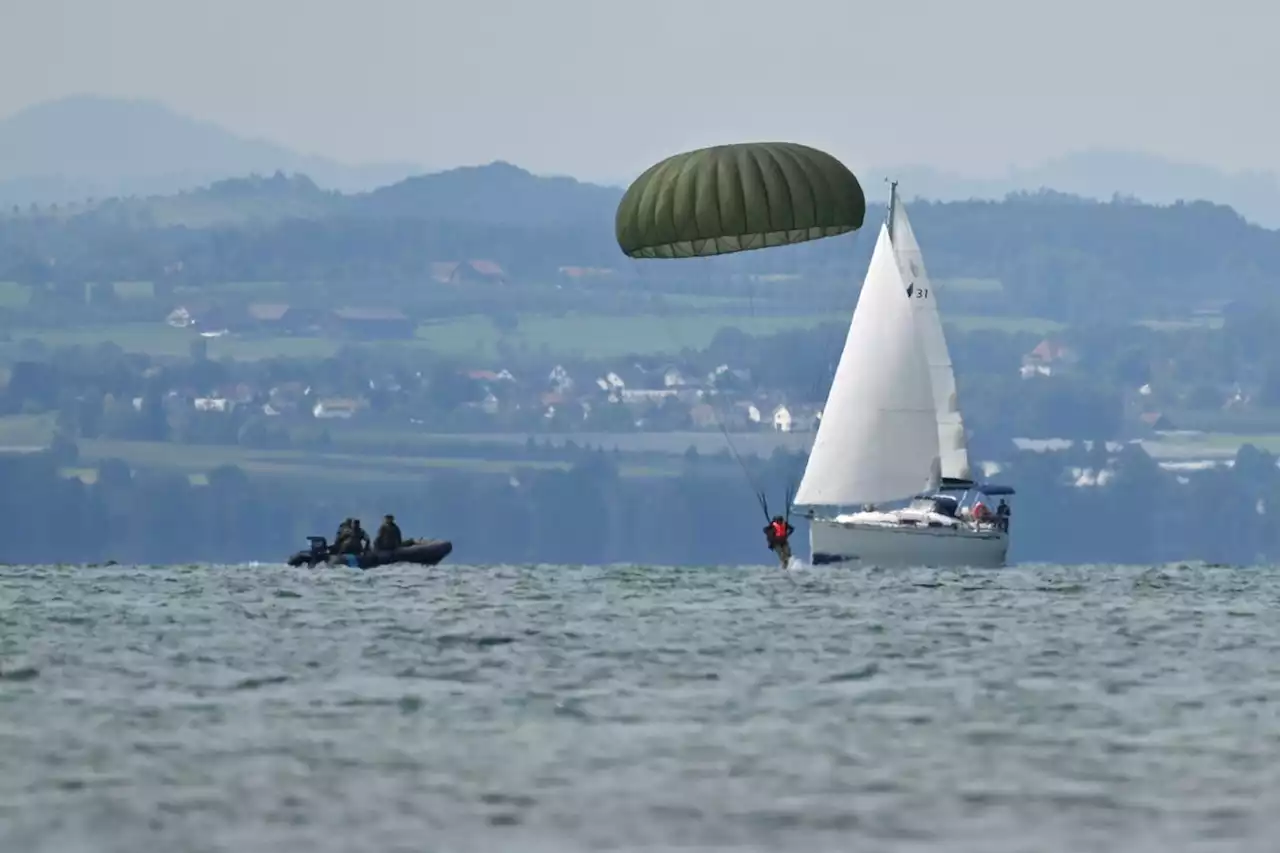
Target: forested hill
point(496, 194)
point(1058, 256)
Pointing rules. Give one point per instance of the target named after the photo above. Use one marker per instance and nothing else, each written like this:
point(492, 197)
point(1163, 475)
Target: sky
point(599, 89)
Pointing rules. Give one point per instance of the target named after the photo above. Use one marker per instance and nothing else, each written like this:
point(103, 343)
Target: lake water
point(631, 708)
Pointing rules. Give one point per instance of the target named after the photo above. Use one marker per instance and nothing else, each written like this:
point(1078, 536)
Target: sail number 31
point(922, 293)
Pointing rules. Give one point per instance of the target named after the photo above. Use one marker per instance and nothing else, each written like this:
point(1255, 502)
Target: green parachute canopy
point(735, 198)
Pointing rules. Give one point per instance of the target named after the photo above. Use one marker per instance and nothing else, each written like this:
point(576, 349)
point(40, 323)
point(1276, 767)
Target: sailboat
point(891, 432)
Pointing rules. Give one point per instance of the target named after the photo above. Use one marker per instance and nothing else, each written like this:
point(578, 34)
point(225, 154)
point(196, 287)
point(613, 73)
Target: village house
point(468, 272)
point(503, 375)
point(612, 385)
point(286, 398)
point(199, 315)
point(795, 418)
point(647, 395)
point(704, 416)
point(747, 413)
point(559, 404)
point(212, 404)
point(489, 403)
point(1237, 399)
point(781, 419)
point(336, 407)
point(730, 378)
point(559, 380)
point(1156, 422)
point(241, 393)
point(629, 383)
point(581, 274)
point(278, 318)
point(180, 318)
point(1048, 357)
point(672, 377)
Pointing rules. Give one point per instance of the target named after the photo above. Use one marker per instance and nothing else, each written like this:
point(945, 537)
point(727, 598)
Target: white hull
point(889, 544)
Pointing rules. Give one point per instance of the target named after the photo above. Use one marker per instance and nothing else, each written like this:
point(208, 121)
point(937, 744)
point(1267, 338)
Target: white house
point(673, 378)
point(335, 408)
point(560, 380)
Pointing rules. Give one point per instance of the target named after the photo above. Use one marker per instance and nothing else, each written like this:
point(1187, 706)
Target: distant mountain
point(76, 148)
point(1102, 175)
point(79, 147)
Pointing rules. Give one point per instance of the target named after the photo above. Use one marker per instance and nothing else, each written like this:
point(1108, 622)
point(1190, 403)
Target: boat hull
point(427, 552)
point(892, 545)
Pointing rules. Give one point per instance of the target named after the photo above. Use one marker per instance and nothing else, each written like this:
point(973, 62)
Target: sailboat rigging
point(892, 431)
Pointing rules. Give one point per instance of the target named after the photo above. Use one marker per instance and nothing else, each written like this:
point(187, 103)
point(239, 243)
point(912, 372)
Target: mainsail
point(951, 434)
point(878, 437)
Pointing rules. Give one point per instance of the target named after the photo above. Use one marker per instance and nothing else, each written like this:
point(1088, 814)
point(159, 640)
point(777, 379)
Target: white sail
point(951, 436)
point(878, 437)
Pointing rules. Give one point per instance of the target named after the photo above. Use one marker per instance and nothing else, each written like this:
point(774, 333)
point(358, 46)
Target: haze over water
point(567, 708)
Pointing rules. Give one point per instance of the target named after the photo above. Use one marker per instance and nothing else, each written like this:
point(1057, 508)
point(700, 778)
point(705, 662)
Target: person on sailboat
point(778, 534)
point(1002, 516)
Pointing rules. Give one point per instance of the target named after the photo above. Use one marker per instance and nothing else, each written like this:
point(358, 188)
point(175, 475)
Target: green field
point(263, 291)
point(13, 295)
point(402, 455)
point(1010, 325)
point(760, 442)
point(968, 285)
point(26, 431)
point(678, 320)
point(595, 336)
point(134, 289)
point(1213, 323)
point(163, 340)
point(196, 460)
point(1216, 444)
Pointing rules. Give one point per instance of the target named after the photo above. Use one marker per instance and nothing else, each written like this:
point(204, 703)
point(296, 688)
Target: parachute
point(738, 198)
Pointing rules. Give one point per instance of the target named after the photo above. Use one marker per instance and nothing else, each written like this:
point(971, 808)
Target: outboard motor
point(313, 556)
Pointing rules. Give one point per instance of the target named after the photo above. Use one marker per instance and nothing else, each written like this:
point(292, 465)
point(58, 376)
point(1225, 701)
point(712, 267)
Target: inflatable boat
point(421, 552)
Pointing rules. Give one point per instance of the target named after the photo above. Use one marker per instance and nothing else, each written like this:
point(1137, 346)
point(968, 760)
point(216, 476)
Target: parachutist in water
point(778, 534)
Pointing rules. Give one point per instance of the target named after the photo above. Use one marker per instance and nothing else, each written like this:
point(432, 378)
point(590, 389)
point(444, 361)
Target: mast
point(893, 204)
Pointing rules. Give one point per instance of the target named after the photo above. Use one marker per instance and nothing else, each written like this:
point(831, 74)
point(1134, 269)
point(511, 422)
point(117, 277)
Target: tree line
point(1059, 257)
point(706, 515)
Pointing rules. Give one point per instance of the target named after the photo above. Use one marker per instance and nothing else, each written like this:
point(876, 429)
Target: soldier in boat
point(356, 541)
point(389, 537)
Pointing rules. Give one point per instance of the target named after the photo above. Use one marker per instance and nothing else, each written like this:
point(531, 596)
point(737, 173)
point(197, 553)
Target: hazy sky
point(601, 88)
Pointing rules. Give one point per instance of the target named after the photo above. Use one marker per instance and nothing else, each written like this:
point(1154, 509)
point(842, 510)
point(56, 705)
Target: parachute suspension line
point(661, 305)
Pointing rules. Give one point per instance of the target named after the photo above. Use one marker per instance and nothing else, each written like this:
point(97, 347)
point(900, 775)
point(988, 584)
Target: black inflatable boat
point(421, 552)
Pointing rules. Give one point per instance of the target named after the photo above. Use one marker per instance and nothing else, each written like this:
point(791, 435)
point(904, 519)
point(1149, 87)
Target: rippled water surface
point(551, 708)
